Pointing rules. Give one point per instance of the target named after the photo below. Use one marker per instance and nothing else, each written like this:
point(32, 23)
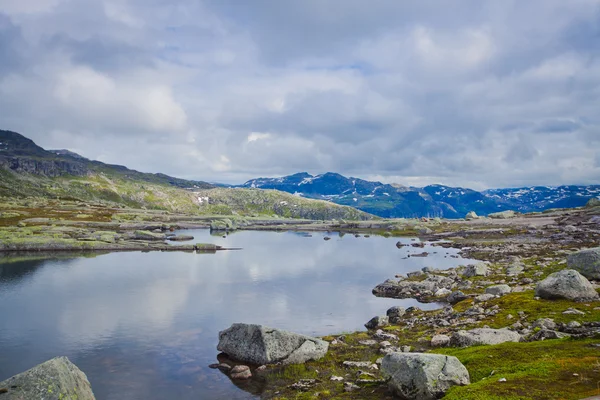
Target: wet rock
point(326, 238)
point(55, 379)
point(586, 262)
point(498, 290)
point(240, 372)
point(377, 322)
point(482, 336)
point(259, 344)
point(440, 341)
point(566, 284)
point(416, 376)
point(180, 238)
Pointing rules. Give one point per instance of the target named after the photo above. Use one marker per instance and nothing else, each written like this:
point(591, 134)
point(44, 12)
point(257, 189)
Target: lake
point(145, 325)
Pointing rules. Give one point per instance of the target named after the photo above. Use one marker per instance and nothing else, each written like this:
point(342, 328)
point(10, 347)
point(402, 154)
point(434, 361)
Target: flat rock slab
point(53, 380)
point(483, 336)
point(261, 345)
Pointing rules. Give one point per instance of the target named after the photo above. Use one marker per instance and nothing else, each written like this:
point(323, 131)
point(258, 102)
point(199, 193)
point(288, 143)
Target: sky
point(500, 93)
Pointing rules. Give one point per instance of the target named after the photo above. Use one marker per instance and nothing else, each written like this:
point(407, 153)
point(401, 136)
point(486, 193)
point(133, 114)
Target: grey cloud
point(498, 93)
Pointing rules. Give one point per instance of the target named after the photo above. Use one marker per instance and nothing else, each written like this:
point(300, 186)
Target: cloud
point(469, 93)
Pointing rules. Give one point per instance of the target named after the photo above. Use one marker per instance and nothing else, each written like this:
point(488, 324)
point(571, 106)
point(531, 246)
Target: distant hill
point(393, 200)
point(28, 170)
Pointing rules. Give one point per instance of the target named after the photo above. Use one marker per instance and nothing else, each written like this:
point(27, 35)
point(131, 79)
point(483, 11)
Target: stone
point(471, 215)
point(360, 364)
point(456, 297)
point(586, 262)
point(573, 311)
point(240, 372)
point(545, 323)
point(503, 214)
point(566, 284)
point(440, 340)
point(417, 376)
point(484, 297)
point(593, 202)
point(260, 345)
point(479, 269)
point(147, 235)
point(377, 322)
point(368, 342)
point(443, 292)
point(514, 270)
point(55, 379)
point(180, 238)
point(395, 313)
point(548, 334)
point(573, 324)
point(425, 231)
point(498, 290)
point(483, 336)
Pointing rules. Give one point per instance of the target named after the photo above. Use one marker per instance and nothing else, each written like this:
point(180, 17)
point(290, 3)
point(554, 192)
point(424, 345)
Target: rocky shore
point(523, 322)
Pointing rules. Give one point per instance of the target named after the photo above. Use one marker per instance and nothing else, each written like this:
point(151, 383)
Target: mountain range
point(28, 170)
point(397, 201)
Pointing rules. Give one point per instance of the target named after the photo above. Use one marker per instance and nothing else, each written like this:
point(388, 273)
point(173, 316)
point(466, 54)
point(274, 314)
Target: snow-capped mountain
point(388, 200)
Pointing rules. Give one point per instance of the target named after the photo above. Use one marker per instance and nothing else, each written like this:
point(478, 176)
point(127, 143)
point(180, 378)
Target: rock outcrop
point(586, 262)
point(566, 284)
point(417, 376)
point(261, 345)
point(55, 379)
point(483, 336)
point(503, 214)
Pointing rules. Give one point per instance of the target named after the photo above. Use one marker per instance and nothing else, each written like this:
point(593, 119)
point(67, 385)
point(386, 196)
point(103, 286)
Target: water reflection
point(145, 325)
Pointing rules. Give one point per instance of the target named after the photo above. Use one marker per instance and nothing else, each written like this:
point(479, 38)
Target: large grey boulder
point(418, 376)
point(566, 284)
point(55, 379)
point(261, 345)
point(483, 336)
point(586, 262)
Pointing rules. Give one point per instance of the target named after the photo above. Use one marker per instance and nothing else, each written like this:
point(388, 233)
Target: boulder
point(260, 345)
point(498, 290)
point(418, 376)
point(377, 322)
point(586, 262)
point(503, 214)
point(456, 297)
point(55, 379)
point(395, 313)
point(471, 215)
point(544, 334)
point(440, 340)
point(593, 202)
point(483, 336)
point(515, 269)
point(544, 323)
point(566, 284)
point(479, 269)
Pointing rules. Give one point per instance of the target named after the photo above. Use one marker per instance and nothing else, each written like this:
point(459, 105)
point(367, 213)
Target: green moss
point(533, 371)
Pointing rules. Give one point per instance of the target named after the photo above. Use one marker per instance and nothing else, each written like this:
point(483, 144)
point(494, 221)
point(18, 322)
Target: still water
point(145, 325)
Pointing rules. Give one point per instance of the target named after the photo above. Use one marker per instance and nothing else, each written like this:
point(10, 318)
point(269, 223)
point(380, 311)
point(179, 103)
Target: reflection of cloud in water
point(154, 317)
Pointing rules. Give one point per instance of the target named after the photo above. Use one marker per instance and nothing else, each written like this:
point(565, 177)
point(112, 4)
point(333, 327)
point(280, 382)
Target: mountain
point(27, 170)
point(395, 201)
